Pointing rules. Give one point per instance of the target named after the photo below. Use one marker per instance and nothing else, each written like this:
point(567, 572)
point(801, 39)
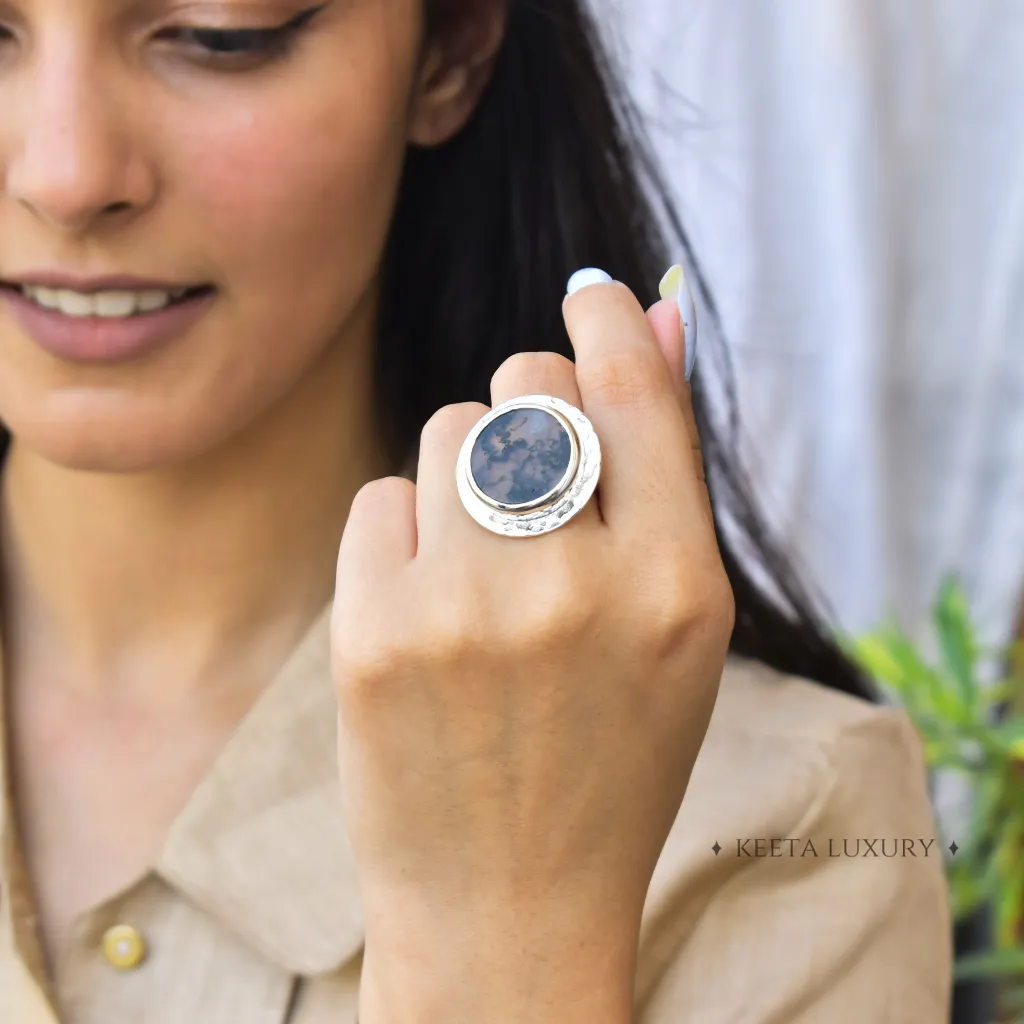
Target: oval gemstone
point(520, 456)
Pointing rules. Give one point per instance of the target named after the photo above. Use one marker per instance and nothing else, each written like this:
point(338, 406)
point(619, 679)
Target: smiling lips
point(109, 325)
point(113, 303)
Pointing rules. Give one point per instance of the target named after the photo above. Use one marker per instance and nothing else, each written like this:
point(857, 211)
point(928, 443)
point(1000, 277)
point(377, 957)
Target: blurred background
point(851, 173)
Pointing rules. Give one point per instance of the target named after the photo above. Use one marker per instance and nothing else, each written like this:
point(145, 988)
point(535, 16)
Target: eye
point(221, 45)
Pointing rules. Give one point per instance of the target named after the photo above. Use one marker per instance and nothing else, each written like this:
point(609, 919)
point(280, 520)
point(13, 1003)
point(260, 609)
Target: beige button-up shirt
point(802, 882)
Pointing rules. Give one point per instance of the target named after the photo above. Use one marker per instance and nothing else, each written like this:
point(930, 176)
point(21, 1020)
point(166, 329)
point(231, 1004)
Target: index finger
point(647, 484)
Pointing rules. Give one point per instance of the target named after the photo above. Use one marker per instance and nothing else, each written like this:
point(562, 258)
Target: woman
point(289, 736)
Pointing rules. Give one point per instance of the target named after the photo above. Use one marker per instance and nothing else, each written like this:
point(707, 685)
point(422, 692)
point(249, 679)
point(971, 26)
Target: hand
point(518, 718)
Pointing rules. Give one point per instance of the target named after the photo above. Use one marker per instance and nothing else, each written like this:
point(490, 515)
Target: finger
point(629, 395)
point(540, 373)
point(536, 373)
point(442, 521)
point(665, 320)
point(379, 538)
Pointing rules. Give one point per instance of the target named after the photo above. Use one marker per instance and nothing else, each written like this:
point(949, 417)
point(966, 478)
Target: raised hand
point(519, 717)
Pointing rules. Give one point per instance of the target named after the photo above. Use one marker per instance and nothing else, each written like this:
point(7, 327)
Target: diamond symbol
point(716, 848)
point(953, 848)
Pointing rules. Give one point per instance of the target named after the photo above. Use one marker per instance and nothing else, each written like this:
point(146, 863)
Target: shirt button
point(124, 947)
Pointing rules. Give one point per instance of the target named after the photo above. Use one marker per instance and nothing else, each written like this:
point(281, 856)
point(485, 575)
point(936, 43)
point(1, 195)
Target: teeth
point(115, 304)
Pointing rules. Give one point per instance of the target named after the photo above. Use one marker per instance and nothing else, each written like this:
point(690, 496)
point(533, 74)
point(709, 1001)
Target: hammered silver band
point(528, 466)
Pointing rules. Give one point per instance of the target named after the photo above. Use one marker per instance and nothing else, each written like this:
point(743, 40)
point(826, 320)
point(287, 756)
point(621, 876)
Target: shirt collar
point(261, 844)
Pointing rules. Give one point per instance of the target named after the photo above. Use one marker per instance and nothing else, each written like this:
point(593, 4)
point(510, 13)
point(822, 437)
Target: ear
point(456, 65)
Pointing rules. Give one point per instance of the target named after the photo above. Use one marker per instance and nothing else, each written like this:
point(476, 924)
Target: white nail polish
point(675, 286)
point(587, 276)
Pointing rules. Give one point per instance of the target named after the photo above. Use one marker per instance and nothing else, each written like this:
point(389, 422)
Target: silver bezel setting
point(553, 509)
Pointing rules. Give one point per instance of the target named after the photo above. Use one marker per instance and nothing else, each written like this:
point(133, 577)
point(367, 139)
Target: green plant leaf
point(926, 687)
point(1001, 692)
point(963, 893)
point(1010, 735)
point(941, 752)
point(957, 643)
point(1008, 903)
point(987, 808)
point(953, 711)
point(875, 657)
point(990, 964)
point(1011, 880)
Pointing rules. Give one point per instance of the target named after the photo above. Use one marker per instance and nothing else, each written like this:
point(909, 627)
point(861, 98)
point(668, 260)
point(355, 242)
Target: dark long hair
point(554, 173)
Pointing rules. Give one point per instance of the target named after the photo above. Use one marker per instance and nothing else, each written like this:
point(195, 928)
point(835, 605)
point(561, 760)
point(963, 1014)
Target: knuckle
point(539, 366)
point(725, 609)
point(361, 659)
point(381, 492)
point(451, 628)
point(679, 601)
point(369, 649)
point(558, 616)
point(708, 597)
point(713, 614)
point(373, 659)
point(562, 606)
point(633, 377)
point(453, 637)
point(450, 421)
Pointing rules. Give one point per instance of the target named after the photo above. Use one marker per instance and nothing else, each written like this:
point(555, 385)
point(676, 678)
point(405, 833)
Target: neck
point(160, 578)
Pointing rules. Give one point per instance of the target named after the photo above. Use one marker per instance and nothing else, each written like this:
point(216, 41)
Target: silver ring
point(528, 466)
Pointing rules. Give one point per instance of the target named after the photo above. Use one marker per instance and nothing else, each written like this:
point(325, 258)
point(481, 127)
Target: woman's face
point(128, 147)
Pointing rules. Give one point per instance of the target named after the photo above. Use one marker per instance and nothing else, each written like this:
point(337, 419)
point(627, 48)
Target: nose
point(72, 160)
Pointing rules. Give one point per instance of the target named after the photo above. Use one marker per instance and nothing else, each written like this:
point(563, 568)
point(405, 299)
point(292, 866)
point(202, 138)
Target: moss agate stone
point(521, 456)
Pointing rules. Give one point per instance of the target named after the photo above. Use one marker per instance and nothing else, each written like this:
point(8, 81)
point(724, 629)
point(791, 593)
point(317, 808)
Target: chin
point(102, 454)
point(112, 444)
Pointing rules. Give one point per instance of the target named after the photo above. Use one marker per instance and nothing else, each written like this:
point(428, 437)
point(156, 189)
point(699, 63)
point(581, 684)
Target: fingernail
point(675, 286)
point(587, 276)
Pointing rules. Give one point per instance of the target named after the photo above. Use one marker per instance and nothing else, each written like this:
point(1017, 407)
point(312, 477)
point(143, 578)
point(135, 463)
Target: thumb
point(678, 343)
point(665, 321)
point(678, 340)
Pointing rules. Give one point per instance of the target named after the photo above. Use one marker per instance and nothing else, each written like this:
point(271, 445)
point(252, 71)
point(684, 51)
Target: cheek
point(294, 194)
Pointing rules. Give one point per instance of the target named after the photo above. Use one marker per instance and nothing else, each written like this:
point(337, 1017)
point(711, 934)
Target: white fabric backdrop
point(852, 172)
